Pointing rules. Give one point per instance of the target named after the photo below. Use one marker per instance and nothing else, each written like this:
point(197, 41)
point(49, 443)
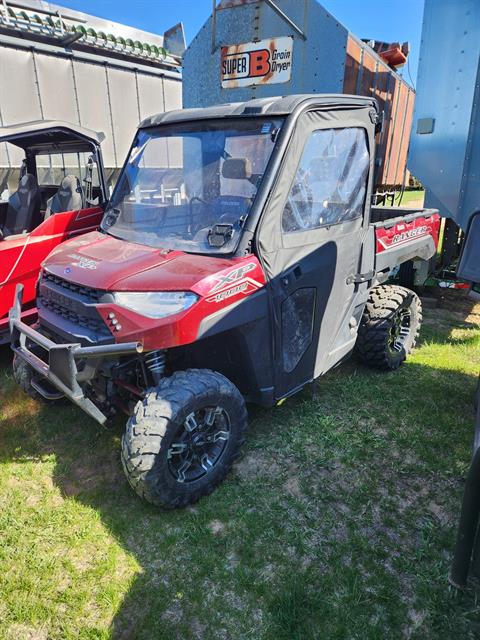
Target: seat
point(23, 207)
point(69, 197)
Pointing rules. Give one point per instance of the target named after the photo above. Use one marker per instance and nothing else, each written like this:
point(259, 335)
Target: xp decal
point(233, 276)
point(246, 287)
point(233, 283)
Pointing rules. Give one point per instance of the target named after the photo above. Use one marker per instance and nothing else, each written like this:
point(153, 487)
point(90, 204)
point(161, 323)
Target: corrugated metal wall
point(101, 94)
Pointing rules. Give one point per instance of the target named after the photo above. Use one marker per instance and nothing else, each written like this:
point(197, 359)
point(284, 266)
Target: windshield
point(191, 186)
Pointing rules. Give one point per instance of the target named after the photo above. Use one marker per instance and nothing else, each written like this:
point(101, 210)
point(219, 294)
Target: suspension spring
point(155, 361)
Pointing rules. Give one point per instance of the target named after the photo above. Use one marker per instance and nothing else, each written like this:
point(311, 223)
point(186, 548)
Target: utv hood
point(103, 262)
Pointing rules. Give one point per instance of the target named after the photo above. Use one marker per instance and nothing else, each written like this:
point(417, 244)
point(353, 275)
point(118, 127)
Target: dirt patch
point(257, 464)
point(458, 302)
point(82, 477)
point(174, 613)
point(198, 629)
point(26, 632)
point(216, 527)
point(292, 486)
point(416, 619)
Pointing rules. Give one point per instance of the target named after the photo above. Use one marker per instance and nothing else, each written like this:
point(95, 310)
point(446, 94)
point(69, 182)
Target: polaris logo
point(82, 262)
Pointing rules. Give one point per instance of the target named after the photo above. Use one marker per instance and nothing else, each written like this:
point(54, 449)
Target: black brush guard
point(60, 368)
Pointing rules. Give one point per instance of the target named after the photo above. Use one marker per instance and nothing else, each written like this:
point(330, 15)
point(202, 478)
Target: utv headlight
point(156, 305)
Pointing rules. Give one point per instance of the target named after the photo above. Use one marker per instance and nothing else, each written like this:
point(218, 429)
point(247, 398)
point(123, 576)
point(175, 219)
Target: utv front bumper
point(60, 364)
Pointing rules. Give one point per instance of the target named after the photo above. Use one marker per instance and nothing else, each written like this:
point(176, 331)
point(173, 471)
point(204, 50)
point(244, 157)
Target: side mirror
point(237, 169)
point(377, 119)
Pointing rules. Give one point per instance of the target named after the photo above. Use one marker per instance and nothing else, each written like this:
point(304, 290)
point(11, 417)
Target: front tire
point(389, 327)
point(184, 437)
point(23, 374)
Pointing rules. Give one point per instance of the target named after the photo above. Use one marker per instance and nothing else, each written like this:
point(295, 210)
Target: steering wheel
point(190, 211)
point(197, 198)
point(302, 215)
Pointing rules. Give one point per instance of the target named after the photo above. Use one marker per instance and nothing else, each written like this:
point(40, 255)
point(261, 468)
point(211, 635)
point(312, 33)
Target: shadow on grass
point(454, 300)
point(179, 554)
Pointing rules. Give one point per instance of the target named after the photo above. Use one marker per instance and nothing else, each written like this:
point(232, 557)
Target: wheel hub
point(399, 330)
point(198, 441)
point(198, 444)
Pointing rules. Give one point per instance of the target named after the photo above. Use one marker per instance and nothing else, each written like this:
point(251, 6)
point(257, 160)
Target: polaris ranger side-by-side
point(238, 259)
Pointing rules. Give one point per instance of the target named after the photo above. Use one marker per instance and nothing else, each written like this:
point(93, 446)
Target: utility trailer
point(445, 140)
point(445, 156)
point(238, 259)
point(468, 535)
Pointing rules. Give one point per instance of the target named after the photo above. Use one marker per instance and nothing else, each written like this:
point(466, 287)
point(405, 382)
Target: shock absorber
point(155, 361)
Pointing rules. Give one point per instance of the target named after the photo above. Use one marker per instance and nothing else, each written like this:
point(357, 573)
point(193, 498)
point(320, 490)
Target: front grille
point(89, 294)
point(60, 300)
point(92, 324)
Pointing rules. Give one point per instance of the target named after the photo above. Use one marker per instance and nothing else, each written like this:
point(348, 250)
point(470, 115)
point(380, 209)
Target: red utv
point(59, 196)
point(238, 259)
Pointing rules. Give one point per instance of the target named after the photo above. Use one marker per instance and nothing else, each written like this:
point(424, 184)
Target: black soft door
point(312, 239)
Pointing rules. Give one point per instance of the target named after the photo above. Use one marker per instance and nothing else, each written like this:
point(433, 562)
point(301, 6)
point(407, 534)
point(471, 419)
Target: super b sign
point(264, 62)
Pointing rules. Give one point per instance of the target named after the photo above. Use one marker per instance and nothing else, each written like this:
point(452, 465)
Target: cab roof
point(274, 106)
point(42, 135)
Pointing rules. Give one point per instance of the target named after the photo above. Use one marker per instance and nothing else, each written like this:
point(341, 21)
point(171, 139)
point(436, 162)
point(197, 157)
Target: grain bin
point(258, 48)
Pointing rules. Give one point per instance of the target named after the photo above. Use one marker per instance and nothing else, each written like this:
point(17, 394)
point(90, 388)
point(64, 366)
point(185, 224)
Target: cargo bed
point(403, 234)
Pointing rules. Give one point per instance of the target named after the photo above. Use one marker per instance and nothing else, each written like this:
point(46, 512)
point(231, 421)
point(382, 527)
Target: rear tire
point(184, 437)
point(389, 327)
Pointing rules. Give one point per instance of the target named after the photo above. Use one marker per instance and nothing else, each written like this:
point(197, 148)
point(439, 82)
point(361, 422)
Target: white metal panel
point(94, 105)
point(4, 156)
point(150, 90)
point(172, 90)
point(117, 117)
point(123, 93)
point(157, 97)
point(57, 91)
point(11, 159)
point(18, 86)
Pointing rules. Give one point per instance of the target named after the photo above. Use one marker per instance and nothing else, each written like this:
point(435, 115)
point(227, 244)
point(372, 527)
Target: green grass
point(339, 521)
point(410, 198)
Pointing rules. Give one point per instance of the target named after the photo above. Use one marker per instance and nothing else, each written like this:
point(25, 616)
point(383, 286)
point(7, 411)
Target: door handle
point(361, 277)
point(291, 275)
